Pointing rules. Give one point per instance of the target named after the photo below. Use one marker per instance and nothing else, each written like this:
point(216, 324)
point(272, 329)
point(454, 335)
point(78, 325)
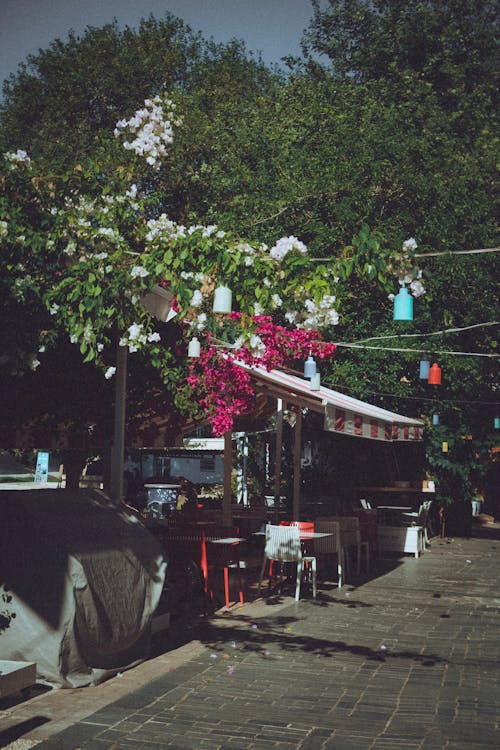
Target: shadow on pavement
point(258, 635)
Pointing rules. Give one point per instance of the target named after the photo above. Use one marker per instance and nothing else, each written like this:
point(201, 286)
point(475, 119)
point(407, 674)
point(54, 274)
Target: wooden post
point(297, 451)
point(277, 462)
point(227, 513)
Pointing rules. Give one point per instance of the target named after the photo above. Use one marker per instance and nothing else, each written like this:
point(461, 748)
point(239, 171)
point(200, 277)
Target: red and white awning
point(342, 414)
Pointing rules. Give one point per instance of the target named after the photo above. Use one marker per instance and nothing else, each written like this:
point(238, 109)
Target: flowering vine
point(104, 249)
point(225, 389)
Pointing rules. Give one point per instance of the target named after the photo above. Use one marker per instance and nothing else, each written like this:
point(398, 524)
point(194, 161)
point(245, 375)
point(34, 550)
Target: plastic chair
point(283, 545)
point(420, 518)
point(368, 529)
point(365, 504)
point(330, 545)
point(350, 536)
point(303, 526)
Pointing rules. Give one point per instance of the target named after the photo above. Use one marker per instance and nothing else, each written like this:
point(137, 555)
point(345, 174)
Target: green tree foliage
point(65, 95)
point(394, 131)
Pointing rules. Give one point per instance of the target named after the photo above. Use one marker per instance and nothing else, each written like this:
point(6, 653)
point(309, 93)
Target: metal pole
point(118, 450)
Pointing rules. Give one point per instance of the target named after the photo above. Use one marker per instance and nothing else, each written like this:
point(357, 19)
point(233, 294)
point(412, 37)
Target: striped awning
point(342, 414)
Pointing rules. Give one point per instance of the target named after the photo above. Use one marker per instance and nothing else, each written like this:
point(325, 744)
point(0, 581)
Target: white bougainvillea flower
point(139, 272)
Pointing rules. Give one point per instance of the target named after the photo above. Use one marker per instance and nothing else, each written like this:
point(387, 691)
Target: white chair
point(330, 545)
point(365, 504)
point(420, 518)
point(350, 537)
point(283, 546)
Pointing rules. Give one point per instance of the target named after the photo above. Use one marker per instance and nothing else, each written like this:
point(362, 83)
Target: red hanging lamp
point(434, 375)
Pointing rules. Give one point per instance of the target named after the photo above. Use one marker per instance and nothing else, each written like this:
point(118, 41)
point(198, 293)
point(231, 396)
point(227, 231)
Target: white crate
point(401, 539)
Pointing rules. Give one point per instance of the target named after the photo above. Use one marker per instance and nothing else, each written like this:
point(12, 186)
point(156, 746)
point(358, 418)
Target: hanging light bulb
point(435, 374)
point(315, 382)
point(435, 419)
point(424, 369)
point(194, 348)
point(309, 367)
point(403, 305)
point(222, 300)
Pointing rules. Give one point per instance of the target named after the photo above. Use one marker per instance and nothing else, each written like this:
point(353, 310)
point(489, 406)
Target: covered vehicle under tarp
point(80, 580)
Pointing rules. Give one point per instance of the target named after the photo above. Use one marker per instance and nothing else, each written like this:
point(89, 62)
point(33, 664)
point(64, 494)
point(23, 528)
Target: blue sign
point(42, 467)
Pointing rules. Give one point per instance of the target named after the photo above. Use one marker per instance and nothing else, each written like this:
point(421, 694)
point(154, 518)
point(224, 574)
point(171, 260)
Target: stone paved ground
point(405, 660)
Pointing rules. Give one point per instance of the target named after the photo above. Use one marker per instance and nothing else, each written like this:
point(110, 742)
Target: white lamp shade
point(194, 348)
point(315, 382)
point(309, 367)
point(222, 300)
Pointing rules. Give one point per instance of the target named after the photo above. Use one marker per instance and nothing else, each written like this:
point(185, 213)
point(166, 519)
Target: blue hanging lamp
point(309, 367)
point(425, 366)
point(435, 419)
point(403, 305)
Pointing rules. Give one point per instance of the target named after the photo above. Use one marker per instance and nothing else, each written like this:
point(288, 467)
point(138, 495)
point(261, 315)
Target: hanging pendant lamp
point(194, 348)
point(435, 374)
point(403, 305)
point(496, 423)
point(222, 300)
point(315, 382)
point(309, 367)
point(424, 369)
point(435, 419)
point(444, 447)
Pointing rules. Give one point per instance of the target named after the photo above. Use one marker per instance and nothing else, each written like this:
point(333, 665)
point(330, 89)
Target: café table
point(226, 559)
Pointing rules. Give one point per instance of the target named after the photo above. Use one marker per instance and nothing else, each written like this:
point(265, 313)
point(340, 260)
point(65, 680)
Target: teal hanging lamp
point(403, 305)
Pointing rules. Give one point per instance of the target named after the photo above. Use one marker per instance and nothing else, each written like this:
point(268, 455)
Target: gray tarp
point(84, 577)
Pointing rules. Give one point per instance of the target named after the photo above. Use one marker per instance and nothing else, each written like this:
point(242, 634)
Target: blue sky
point(272, 27)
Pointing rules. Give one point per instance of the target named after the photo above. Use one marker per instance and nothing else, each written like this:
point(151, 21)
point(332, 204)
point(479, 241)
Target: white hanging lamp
point(309, 367)
point(222, 300)
point(194, 348)
point(315, 382)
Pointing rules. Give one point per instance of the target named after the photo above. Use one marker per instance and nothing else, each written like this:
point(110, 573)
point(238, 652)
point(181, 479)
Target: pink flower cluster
point(225, 390)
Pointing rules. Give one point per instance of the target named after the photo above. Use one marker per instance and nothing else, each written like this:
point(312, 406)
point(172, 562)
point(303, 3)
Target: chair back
point(327, 545)
point(423, 512)
point(350, 534)
point(365, 504)
point(307, 526)
point(283, 543)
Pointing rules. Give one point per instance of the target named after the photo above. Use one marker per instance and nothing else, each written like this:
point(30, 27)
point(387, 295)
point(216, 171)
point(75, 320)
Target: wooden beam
point(297, 452)
point(277, 462)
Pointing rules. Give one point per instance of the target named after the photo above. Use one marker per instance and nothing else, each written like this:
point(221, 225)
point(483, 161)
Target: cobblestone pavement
point(407, 659)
